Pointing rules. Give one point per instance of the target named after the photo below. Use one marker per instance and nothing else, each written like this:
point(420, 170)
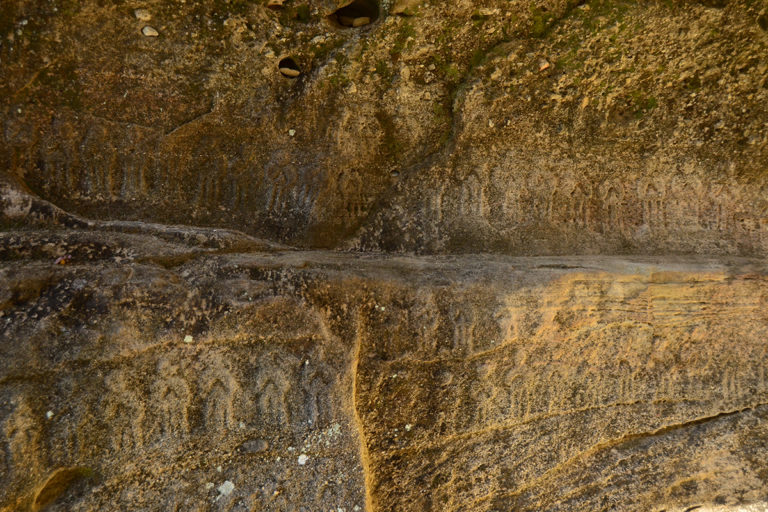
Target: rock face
point(315, 381)
point(439, 131)
point(314, 255)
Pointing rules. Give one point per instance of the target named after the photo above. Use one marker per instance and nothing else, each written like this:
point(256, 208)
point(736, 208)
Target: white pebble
point(303, 459)
point(291, 132)
point(142, 14)
point(49, 414)
point(150, 32)
point(408, 427)
point(226, 488)
point(188, 339)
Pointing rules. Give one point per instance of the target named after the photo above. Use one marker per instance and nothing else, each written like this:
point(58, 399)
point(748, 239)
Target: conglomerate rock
point(396, 255)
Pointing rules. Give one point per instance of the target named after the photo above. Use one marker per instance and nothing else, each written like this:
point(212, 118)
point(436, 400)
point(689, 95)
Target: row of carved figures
point(174, 406)
point(507, 397)
point(663, 203)
point(282, 188)
point(211, 178)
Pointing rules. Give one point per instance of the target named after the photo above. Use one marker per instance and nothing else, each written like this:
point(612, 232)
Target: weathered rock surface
point(644, 134)
point(318, 381)
point(314, 255)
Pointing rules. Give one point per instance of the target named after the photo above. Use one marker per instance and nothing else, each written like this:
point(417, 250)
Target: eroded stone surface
point(644, 132)
point(400, 383)
point(107, 351)
point(161, 349)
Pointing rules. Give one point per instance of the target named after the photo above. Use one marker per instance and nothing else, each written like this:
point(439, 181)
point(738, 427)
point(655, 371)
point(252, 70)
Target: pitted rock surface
point(384, 255)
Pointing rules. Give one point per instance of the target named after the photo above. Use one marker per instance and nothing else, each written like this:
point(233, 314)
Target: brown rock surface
point(472, 256)
point(645, 134)
point(457, 383)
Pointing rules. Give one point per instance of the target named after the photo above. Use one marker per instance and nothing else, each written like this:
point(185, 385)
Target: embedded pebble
point(49, 414)
point(303, 459)
point(254, 446)
point(188, 339)
point(142, 14)
point(226, 488)
point(149, 31)
point(290, 73)
point(404, 7)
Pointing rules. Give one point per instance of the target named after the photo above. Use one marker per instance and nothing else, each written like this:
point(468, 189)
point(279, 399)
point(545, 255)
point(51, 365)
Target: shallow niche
point(60, 482)
point(288, 67)
point(356, 13)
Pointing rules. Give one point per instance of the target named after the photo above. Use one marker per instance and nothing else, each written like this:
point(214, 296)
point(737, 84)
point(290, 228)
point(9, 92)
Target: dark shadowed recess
point(357, 13)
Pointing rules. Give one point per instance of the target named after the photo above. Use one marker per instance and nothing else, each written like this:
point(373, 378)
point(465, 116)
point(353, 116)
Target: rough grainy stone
point(142, 14)
point(383, 373)
point(644, 149)
point(478, 257)
point(290, 73)
point(404, 7)
point(149, 31)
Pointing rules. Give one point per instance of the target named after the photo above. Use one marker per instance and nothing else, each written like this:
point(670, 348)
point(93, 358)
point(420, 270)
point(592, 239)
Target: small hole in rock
point(762, 20)
point(303, 13)
point(288, 68)
point(357, 13)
